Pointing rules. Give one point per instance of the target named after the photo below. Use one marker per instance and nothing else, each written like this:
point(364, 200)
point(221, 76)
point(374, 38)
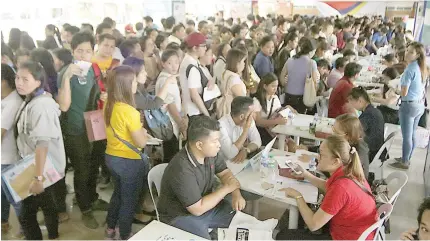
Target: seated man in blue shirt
point(187, 200)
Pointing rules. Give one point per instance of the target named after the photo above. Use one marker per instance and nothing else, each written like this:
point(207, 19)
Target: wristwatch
point(38, 178)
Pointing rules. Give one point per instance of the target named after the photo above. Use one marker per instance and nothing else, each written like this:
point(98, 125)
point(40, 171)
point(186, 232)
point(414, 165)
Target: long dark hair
point(38, 73)
point(119, 89)
point(305, 47)
point(234, 56)
point(43, 56)
point(261, 91)
point(14, 39)
point(27, 41)
point(419, 48)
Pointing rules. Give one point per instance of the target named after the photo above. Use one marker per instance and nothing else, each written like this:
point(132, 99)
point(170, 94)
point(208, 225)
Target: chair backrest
point(387, 145)
point(396, 181)
point(154, 177)
point(384, 212)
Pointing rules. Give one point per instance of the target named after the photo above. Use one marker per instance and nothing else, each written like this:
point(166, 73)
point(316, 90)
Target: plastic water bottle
point(313, 166)
point(264, 166)
point(272, 170)
point(313, 124)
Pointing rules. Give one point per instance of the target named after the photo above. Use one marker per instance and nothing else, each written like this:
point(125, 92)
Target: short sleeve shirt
point(276, 106)
point(75, 124)
point(412, 79)
point(339, 98)
point(353, 210)
point(185, 181)
point(125, 119)
point(9, 108)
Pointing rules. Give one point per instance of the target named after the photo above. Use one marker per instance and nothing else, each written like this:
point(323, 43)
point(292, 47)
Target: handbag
point(95, 125)
point(310, 94)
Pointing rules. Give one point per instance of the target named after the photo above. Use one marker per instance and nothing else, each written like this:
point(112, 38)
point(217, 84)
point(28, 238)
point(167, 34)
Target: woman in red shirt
point(349, 209)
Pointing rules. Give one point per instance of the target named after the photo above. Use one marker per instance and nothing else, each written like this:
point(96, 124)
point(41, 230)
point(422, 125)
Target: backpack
point(157, 122)
point(204, 81)
point(94, 103)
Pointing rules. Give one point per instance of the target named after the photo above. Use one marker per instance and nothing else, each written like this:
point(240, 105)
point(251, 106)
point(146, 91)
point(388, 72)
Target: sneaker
point(398, 159)
point(5, 228)
point(19, 235)
point(110, 234)
point(63, 217)
point(100, 205)
point(104, 182)
point(399, 166)
point(89, 220)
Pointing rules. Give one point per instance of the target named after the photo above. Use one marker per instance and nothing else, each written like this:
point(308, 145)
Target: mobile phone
point(293, 167)
point(415, 236)
point(242, 234)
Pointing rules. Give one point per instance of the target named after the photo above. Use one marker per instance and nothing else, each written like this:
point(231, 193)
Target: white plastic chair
point(384, 212)
point(387, 145)
point(154, 177)
point(395, 181)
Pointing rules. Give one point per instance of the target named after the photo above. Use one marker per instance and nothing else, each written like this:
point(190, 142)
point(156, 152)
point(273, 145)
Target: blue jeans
point(218, 217)
point(409, 115)
point(7, 200)
point(128, 178)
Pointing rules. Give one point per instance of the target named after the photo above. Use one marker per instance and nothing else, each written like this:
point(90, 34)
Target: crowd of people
point(260, 65)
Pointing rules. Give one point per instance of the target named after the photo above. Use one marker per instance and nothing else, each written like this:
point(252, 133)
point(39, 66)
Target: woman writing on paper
point(38, 132)
point(347, 205)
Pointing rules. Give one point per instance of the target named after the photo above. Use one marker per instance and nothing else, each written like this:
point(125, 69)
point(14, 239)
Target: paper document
point(248, 226)
point(154, 142)
point(211, 94)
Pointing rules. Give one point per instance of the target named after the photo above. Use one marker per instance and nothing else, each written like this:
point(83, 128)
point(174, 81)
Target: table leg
point(255, 208)
point(293, 221)
point(281, 142)
point(297, 139)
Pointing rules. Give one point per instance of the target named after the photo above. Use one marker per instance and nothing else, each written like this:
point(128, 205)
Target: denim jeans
point(128, 177)
point(218, 217)
point(409, 115)
point(7, 200)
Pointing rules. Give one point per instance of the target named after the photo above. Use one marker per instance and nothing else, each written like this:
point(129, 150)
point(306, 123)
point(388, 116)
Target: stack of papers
point(211, 94)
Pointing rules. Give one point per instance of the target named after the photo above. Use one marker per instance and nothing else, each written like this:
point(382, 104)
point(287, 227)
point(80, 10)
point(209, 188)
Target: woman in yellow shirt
point(125, 139)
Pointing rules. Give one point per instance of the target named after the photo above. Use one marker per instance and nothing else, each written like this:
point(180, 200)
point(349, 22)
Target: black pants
point(98, 155)
point(79, 150)
point(28, 216)
point(60, 193)
point(170, 148)
point(301, 234)
point(296, 101)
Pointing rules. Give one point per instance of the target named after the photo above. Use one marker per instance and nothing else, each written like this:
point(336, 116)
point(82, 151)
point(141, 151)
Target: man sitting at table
point(239, 135)
point(187, 200)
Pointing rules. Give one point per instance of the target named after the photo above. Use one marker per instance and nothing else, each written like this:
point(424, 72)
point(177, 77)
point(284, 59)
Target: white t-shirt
point(173, 96)
point(192, 82)
point(9, 108)
point(276, 106)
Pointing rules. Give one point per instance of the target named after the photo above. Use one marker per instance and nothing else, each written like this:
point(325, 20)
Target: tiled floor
point(403, 217)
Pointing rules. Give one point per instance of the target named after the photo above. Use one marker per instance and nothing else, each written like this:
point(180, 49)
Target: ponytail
point(341, 149)
point(353, 168)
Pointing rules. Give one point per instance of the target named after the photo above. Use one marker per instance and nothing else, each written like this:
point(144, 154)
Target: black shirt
point(185, 181)
point(373, 124)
